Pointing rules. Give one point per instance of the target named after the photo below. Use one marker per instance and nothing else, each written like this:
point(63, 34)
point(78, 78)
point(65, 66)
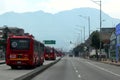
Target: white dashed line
point(79, 76)
point(75, 68)
point(76, 71)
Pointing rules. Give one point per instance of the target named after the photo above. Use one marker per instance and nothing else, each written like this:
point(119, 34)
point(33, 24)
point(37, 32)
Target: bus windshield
point(19, 44)
point(47, 51)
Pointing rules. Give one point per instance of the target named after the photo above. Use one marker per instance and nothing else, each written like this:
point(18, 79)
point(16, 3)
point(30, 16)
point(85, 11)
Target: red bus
point(49, 53)
point(24, 51)
point(59, 53)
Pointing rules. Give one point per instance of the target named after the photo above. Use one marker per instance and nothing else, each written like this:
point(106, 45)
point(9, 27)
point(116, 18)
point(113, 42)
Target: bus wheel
point(41, 63)
point(13, 67)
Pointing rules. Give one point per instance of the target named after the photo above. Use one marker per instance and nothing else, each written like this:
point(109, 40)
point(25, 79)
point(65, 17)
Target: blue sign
point(118, 29)
point(117, 45)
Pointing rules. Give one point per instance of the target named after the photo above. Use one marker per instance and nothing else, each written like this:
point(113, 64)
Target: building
point(6, 31)
point(11, 30)
point(105, 38)
point(106, 34)
point(112, 49)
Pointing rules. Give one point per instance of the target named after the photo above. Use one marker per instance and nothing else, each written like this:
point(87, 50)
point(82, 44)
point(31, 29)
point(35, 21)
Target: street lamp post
point(79, 36)
point(83, 30)
point(89, 24)
point(88, 18)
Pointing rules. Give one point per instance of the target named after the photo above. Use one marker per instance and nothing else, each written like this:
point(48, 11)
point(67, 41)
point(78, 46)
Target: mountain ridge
point(60, 26)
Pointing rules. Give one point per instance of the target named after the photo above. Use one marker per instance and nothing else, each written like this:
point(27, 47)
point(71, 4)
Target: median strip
point(37, 71)
point(2, 61)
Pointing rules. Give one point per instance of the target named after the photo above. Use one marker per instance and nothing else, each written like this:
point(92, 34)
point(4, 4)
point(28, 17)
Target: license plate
point(18, 62)
point(12, 56)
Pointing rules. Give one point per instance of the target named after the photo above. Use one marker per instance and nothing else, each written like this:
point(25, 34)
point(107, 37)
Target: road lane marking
point(75, 68)
point(76, 71)
point(104, 69)
point(79, 76)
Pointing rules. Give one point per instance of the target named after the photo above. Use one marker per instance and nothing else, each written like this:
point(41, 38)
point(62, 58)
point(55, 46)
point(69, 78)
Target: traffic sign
point(49, 42)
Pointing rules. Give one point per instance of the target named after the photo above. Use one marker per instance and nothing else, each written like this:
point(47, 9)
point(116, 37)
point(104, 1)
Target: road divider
point(2, 61)
point(37, 71)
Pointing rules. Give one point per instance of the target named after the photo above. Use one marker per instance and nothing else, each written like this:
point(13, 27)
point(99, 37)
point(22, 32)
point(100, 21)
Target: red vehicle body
point(24, 51)
point(49, 53)
point(59, 54)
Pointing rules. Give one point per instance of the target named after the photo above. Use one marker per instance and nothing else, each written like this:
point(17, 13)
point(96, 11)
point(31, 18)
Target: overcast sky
point(110, 7)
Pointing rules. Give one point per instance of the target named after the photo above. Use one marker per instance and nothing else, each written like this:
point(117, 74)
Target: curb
point(106, 62)
point(37, 71)
point(2, 62)
point(111, 63)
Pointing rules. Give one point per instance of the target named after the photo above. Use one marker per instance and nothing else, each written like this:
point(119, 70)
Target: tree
point(96, 42)
point(4, 38)
point(79, 49)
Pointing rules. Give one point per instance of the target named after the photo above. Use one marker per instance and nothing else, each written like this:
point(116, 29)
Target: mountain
point(60, 26)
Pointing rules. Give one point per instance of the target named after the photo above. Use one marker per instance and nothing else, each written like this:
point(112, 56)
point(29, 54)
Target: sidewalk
point(112, 63)
point(108, 62)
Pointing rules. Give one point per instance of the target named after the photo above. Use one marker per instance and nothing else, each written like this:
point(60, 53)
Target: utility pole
point(100, 26)
point(100, 4)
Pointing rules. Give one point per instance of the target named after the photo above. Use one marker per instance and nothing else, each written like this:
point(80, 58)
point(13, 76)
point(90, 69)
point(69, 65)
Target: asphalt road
point(80, 69)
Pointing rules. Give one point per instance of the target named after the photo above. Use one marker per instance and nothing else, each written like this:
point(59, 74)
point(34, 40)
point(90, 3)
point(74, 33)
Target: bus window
point(19, 44)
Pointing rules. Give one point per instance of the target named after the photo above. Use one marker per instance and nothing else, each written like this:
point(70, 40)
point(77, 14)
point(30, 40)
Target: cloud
point(112, 8)
point(24, 5)
point(2, 6)
point(16, 5)
point(53, 6)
